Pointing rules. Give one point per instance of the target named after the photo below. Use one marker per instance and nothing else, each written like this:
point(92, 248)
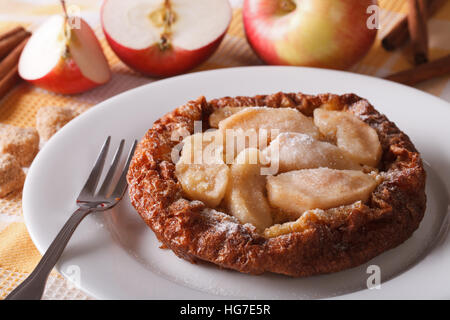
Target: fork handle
point(33, 286)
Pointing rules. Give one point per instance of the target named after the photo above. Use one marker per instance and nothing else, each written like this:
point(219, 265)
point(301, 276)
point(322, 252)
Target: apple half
point(164, 37)
point(64, 60)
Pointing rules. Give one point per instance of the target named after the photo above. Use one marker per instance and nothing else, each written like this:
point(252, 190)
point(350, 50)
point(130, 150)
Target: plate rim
point(101, 107)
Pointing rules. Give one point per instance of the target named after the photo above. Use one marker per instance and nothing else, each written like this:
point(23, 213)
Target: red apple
point(315, 33)
point(64, 60)
point(164, 37)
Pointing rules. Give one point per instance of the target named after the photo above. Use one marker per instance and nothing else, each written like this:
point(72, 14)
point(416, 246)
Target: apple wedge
point(164, 37)
point(201, 171)
point(246, 195)
point(322, 188)
point(64, 60)
point(357, 139)
point(294, 151)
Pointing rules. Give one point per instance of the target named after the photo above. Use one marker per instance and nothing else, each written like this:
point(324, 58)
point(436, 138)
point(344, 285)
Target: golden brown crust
point(333, 240)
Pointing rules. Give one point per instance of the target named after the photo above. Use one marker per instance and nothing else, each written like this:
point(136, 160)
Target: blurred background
point(20, 105)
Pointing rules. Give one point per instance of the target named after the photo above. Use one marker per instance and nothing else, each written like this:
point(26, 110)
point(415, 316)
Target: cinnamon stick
point(12, 59)
point(423, 72)
point(399, 34)
point(418, 30)
point(10, 42)
point(9, 81)
point(11, 32)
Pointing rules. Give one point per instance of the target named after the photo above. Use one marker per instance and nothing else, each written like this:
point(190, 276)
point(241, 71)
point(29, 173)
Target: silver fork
point(88, 201)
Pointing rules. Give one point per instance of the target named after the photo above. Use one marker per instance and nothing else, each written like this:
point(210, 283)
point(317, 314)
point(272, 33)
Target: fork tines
point(88, 193)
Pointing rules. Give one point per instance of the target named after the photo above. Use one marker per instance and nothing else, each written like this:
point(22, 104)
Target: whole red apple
point(164, 37)
point(316, 33)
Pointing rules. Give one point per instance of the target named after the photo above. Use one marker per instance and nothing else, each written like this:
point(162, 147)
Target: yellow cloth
point(18, 255)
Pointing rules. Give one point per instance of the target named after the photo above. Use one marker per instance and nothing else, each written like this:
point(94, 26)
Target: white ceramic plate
point(116, 256)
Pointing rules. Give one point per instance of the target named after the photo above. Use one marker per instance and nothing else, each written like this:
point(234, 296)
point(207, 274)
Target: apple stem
point(287, 5)
point(67, 29)
point(63, 3)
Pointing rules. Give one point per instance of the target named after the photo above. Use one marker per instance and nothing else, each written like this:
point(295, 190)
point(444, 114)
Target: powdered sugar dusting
point(225, 223)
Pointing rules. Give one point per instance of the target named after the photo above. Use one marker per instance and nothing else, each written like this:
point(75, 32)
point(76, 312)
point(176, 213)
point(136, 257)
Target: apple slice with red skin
point(64, 62)
point(315, 33)
point(135, 30)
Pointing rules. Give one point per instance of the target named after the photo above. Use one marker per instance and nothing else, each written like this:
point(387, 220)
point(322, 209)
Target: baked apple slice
point(201, 170)
point(222, 113)
point(295, 151)
point(321, 188)
point(355, 137)
point(245, 197)
point(281, 119)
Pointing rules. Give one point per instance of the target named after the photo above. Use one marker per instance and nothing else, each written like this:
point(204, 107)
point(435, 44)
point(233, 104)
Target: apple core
point(164, 18)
